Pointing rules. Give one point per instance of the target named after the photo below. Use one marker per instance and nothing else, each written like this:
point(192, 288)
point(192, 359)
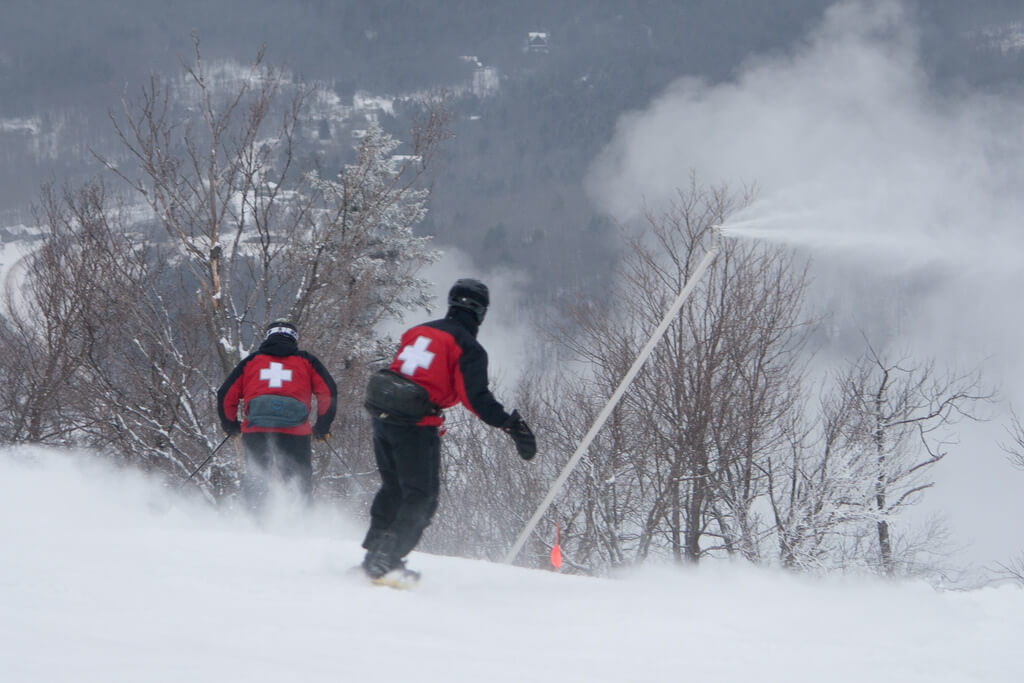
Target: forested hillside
point(511, 190)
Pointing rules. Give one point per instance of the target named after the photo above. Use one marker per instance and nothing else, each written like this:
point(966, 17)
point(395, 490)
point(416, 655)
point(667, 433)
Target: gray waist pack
point(270, 410)
point(396, 399)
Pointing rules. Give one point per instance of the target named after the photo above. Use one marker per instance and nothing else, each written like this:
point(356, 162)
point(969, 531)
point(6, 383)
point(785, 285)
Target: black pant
point(409, 461)
point(271, 455)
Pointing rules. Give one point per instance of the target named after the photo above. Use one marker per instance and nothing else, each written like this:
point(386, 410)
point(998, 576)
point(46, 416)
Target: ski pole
point(352, 474)
point(335, 453)
point(208, 458)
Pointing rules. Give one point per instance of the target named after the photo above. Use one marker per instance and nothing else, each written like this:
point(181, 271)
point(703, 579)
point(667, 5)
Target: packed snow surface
point(106, 576)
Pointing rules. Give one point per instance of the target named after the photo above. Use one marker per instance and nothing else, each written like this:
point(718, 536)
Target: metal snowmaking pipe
point(684, 294)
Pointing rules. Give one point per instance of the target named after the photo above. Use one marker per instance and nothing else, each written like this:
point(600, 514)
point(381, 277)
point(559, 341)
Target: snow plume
point(854, 151)
point(101, 585)
point(59, 492)
point(904, 190)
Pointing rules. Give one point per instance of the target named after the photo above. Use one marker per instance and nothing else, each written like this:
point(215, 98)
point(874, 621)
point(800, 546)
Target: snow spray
point(838, 234)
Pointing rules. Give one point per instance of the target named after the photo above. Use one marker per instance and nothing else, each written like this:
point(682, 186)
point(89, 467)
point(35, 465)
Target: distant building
point(537, 42)
point(485, 78)
point(485, 81)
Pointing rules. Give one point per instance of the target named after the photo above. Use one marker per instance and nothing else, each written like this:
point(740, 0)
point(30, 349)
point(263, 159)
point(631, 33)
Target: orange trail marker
point(556, 551)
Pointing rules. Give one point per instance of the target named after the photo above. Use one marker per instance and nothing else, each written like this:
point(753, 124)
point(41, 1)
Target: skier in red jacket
point(439, 364)
point(274, 387)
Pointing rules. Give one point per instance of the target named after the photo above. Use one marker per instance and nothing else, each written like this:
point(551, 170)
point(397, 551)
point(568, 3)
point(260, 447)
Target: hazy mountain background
point(511, 190)
point(515, 194)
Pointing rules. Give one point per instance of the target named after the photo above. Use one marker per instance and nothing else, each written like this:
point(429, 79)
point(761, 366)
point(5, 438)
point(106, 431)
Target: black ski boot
point(384, 569)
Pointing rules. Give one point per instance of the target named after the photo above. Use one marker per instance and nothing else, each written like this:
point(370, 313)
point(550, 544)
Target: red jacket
point(444, 357)
point(278, 368)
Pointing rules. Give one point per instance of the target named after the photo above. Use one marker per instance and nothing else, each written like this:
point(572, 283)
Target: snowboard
point(399, 579)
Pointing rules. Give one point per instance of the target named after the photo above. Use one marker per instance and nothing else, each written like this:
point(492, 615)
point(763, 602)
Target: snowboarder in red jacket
point(274, 387)
point(439, 364)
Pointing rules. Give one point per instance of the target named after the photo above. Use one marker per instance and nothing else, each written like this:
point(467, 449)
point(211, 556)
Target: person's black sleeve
point(473, 366)
point(324, 420)
point(230, 423)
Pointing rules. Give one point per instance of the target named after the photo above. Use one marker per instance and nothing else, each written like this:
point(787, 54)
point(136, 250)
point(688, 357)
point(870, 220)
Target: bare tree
point(261, 238)
point(1014, 570)
point(809, 486)
point(839, 490)
point(676, 470)
point(54, 319)
point(233, 233)
point(1015, 449)
point(903, 412)
point(477, 510)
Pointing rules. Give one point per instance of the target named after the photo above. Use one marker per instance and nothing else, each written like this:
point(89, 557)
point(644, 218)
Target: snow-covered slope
point(105, 577)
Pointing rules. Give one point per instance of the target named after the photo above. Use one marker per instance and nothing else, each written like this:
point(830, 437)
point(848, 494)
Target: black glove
point(321, 436)
point(232, 428)
point(516, 427)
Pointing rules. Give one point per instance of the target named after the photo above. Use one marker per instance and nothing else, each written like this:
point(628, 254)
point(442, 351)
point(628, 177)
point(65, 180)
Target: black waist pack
point(396, 399)
point(270, 410)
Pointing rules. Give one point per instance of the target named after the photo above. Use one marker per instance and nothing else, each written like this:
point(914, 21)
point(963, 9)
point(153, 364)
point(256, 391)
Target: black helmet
point(282, 326)
point(471, 295)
